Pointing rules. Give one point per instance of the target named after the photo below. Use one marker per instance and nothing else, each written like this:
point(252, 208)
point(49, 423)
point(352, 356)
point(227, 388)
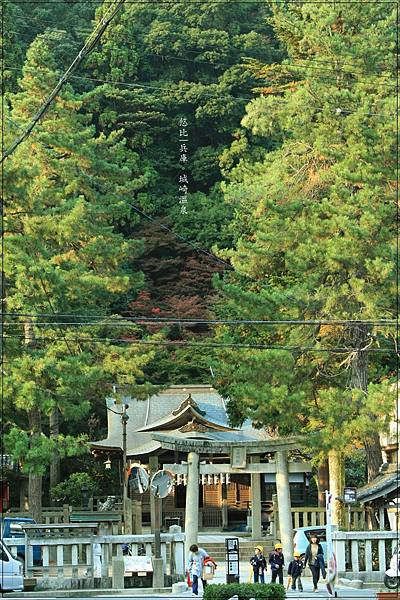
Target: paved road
point(342, 593)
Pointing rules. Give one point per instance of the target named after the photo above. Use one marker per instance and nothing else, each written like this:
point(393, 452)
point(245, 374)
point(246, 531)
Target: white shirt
point(196, 562)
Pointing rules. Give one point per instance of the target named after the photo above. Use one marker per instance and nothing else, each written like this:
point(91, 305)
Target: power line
point(193, 321)
point(242, 62)
point(205, 93)
point(185, 343)
point(84, 52)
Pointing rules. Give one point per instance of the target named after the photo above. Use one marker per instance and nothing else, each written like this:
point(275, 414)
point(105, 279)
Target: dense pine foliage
point(291, 215)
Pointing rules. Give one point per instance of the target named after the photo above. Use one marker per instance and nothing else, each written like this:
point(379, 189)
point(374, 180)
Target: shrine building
point(230, 474)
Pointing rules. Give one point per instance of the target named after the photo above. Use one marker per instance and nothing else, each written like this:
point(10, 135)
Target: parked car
point(302, 538)
point(11, 527)
point(11, 571)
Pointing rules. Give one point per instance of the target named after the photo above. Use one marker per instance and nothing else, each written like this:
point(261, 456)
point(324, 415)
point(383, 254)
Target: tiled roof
point(384, 484)
point(158, 408)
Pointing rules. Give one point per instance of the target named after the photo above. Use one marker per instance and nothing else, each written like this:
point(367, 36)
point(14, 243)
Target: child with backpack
point(295, 570)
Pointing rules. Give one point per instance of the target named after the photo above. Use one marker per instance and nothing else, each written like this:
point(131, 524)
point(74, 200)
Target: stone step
point(218, 552)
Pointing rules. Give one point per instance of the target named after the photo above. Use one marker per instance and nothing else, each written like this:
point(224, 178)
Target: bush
point(245, 591)
point(70, 490)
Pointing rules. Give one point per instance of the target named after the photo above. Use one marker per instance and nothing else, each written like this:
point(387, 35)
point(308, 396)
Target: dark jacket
point(320, 556)
point(295, 567)
point(276, 560)
point(258, 563)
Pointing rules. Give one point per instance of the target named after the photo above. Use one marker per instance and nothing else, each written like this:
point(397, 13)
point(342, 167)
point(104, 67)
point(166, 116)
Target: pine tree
point(315, 226)
point(66, 192)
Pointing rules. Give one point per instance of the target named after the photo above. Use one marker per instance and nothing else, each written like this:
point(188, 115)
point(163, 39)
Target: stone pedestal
point(158, 573)
point(192, 501)
point(179, 588)
point(118, 570)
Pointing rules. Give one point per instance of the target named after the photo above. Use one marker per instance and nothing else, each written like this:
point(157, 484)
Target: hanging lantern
point(185, 480)
point(222, 478)
point(216, 479)
point(203, 480)
point(107, 463)
point(227, 479)
point(209, 479)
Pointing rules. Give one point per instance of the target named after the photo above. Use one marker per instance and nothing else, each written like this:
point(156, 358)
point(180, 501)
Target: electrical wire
point(304, 63)
point(171, 90)
point(123, 320)
point(84, 52)
point(185, 343)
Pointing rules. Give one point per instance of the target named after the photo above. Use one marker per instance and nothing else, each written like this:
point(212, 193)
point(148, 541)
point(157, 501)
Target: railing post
point(118, 571)
point(65, 513)
point(355, 566)
point(368, 555)
point(340, 552)
point(382, 555)
point(74, 561)
point(60, 560)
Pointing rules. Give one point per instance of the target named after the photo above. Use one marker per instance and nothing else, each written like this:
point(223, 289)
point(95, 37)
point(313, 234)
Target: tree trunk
point(336, 485)
point(35, 496)
point(54, 423)
point(359, 380)
point(35, 426)
point(373, 451)
point(323, 482)
point(35, 481)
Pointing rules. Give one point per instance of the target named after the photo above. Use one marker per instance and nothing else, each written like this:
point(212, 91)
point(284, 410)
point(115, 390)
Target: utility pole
point(124, 421)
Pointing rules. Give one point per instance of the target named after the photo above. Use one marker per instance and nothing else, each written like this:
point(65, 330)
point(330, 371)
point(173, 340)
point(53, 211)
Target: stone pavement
point(342, 591)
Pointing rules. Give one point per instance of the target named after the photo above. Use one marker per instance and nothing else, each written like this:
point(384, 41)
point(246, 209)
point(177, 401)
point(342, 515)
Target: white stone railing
point(364, 554)
point(73, 558)
point(309, 516)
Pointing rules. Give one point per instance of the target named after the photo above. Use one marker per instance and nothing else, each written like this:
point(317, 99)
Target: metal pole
point(124, 420)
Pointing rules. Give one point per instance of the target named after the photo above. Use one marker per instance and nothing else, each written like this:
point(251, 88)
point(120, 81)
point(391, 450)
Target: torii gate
point(238, 465)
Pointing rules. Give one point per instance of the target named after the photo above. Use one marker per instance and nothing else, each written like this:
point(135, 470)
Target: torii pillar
point(284, 503)
point(192, 501)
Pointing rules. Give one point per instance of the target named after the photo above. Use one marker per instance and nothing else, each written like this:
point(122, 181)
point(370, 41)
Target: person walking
point(276, 560)
point(314, 556)
point(295, 570)
point(259, 564)
point(195, 567)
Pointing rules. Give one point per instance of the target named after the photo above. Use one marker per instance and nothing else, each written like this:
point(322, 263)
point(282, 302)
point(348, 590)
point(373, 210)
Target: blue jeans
point(258, 576)
point(195, 584)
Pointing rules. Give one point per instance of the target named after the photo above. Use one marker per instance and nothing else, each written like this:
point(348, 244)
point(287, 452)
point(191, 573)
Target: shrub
point(245, 591)
point(70, 490)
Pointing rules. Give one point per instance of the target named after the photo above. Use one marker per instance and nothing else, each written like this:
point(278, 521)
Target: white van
point(11, 571)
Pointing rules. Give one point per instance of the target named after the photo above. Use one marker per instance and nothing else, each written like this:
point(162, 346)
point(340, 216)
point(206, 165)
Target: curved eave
point(186, 415)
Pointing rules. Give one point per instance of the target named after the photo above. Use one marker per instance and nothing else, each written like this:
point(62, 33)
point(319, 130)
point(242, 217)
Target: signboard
point(239, 457)
point(138, 564)
point(350, 495)
point(232, 560)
